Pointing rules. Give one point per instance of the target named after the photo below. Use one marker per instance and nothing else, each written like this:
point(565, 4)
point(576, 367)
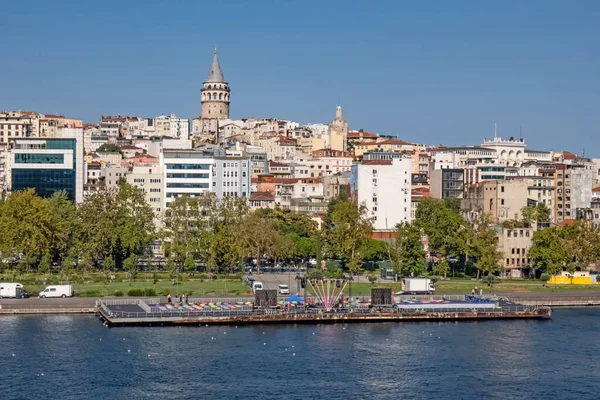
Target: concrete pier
point(138, 313)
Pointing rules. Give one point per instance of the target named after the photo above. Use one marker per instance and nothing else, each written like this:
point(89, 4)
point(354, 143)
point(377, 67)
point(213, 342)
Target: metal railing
point(126, 302)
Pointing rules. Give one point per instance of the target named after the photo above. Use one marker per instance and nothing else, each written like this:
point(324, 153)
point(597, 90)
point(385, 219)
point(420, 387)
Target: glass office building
point(48, 165)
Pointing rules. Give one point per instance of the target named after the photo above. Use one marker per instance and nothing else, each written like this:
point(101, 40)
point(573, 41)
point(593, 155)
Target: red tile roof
point(262, 196)
point(357, 134)
point(567, 222)
point(396, 142)
point(569, 156)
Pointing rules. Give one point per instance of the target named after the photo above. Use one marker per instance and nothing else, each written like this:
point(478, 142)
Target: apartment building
point(384, 187)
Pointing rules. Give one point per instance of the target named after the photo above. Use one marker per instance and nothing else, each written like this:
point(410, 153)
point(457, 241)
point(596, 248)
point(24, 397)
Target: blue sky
point(427, 71)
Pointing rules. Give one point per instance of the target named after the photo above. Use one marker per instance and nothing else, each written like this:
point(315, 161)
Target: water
point(76, 357)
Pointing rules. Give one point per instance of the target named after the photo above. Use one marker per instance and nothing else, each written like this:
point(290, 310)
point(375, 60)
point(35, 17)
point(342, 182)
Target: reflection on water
point(76, 357)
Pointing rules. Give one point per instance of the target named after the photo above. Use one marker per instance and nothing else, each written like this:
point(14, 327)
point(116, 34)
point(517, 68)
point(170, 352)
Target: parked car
point(284, 289)
point(25, 294)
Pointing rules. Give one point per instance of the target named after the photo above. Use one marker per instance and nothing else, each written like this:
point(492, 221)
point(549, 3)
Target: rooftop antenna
point(520, 131)
point(495, 130)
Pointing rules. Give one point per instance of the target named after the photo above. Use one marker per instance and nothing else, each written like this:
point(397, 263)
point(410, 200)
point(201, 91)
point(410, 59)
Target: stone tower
point(338, 131)
point(215, 93)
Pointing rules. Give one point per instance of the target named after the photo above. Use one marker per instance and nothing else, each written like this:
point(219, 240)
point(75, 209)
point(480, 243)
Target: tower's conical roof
point(215, 74)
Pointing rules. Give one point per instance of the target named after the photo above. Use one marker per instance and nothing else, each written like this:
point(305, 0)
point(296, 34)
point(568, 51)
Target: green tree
point(548, 252)
point(375, 250)
point(117, 222)
point(441, 268)
point(108, 265)
point(582, 242)
point(411, 256)
point(109, 148)
point(351, 230)
point(539, 215)
point(228, 229)
point(485, 245)
point(26, 225)
point(447, 232)
point(45, 264)
point(186, 233)
point(452, 204)
point(130, 264)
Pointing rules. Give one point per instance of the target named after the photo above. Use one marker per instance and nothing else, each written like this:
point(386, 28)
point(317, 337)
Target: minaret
point(338, 131)
point(215, 93)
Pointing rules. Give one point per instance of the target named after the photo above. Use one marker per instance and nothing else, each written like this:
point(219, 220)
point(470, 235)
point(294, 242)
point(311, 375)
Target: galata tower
point(215, 93)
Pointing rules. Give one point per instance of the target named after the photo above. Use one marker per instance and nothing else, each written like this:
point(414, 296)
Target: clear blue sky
point(426, 71)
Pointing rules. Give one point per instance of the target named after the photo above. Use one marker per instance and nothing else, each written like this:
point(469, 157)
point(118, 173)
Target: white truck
point(57, 291)
point(10, 290)
point(418, 286)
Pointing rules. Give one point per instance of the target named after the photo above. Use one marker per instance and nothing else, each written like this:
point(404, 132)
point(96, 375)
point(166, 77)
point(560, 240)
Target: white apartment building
point(192, 172)
point(384, 187)
point(326, 166)
point(186, 173)
point(231, 176)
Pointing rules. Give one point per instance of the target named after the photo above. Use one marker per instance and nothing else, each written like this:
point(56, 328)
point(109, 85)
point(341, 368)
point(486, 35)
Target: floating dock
point(146, 312)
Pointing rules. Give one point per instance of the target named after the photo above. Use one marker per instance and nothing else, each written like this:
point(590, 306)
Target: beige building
point(278, 148)
point(3, 168)
point(334, 185)
point(540, 190)
point(148, 177)
point(514, 244)
point(16, 124)
point(502, 200)
point(51, 125)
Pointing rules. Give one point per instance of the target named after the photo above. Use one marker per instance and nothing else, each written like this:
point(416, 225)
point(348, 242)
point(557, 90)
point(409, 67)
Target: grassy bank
point(96, 285)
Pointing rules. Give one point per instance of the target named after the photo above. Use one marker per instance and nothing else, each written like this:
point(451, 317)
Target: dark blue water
point(76, 357)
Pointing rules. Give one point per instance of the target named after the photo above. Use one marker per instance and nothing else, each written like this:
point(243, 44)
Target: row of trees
point(222, 233)
point(114, 229)
point(570, 246)
point(108, 228)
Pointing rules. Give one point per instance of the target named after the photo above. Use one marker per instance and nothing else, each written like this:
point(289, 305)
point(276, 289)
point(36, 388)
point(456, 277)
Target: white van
point(256, 285)
point(57, 291)
point(284, 289)
point(11, 290)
